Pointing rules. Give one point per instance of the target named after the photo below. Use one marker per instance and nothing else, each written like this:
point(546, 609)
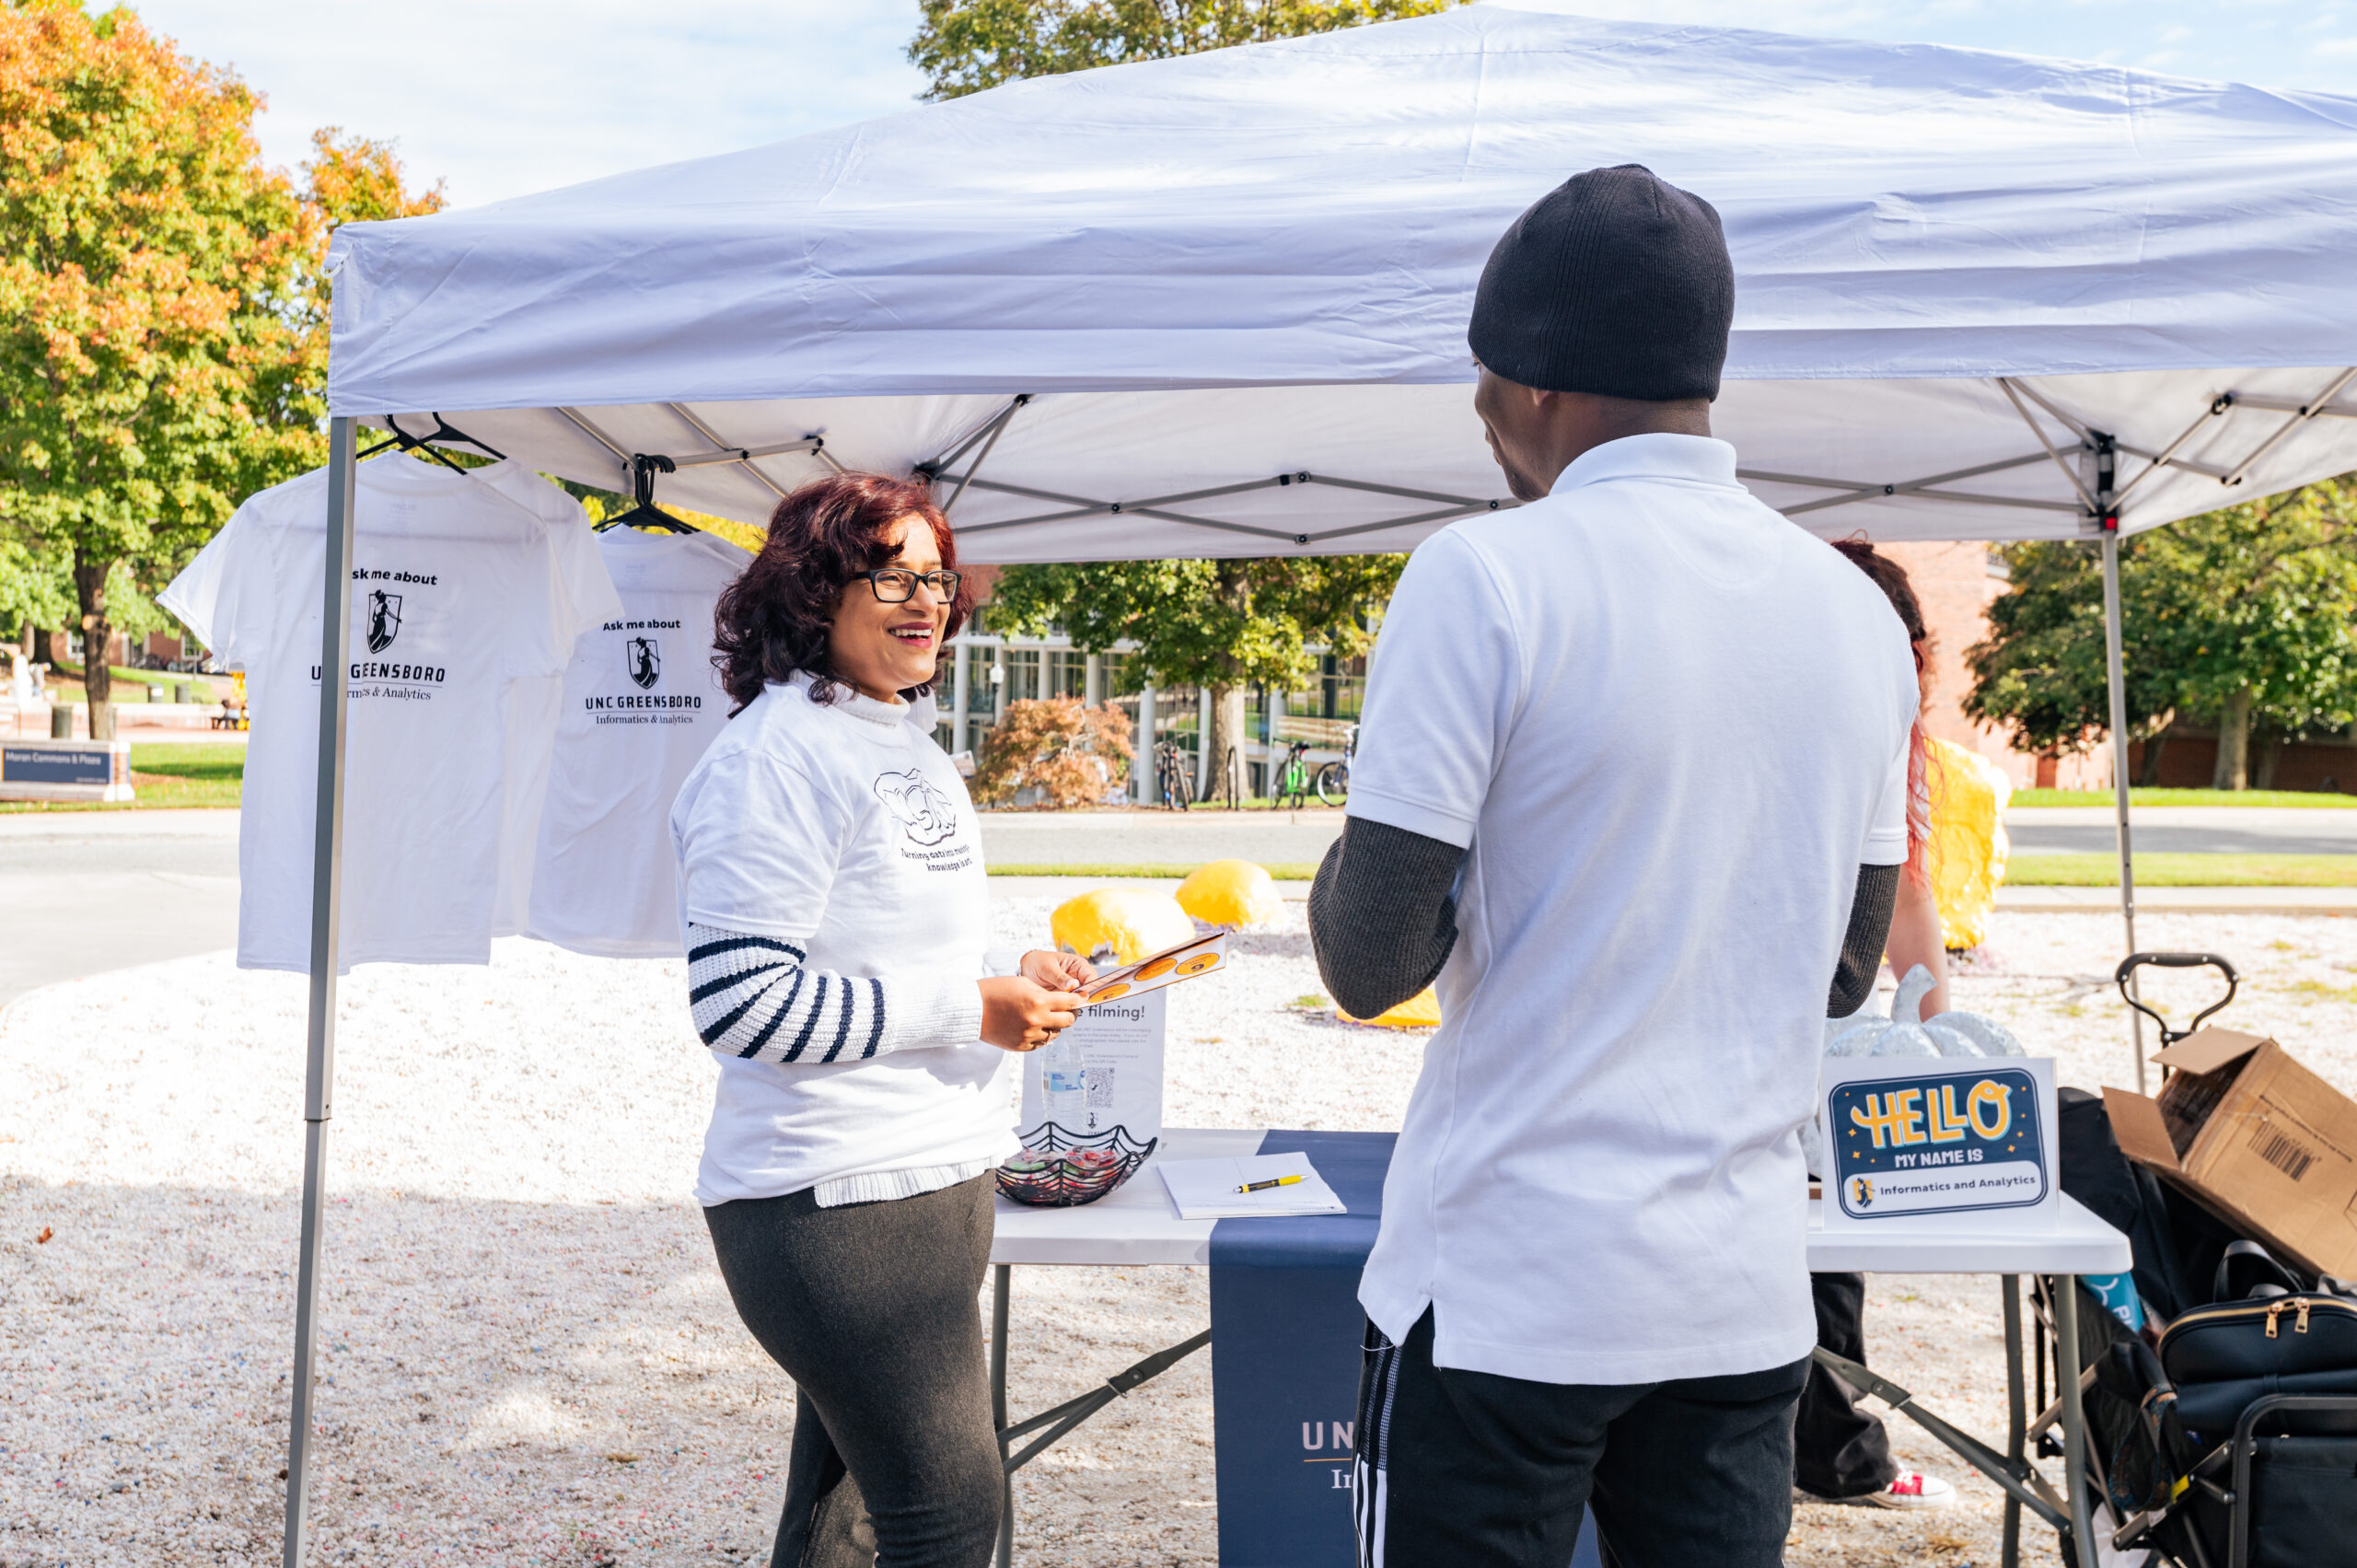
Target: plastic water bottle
point(2117, 1293)
point(1064, 1088)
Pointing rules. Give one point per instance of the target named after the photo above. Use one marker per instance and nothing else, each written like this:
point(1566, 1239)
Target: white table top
point(1134, 1224)
point(1137, 1226)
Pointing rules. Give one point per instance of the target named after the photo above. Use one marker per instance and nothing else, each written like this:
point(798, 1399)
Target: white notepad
point(1206, 1189)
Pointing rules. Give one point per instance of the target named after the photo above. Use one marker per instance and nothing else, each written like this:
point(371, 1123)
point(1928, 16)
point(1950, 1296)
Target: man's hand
point(1022, 1014)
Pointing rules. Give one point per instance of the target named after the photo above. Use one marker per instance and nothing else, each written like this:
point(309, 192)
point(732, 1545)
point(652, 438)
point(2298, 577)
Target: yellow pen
point(1264, 1186)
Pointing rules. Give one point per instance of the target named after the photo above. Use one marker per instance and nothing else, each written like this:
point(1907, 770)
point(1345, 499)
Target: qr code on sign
point(1100, 1088)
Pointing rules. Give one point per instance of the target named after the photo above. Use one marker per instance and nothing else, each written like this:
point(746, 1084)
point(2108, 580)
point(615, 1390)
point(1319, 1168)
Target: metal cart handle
point(2134, 961)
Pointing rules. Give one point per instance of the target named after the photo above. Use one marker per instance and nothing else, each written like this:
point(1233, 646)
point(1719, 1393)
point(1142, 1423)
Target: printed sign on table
point(1965, 1144)
point(1120, 1046)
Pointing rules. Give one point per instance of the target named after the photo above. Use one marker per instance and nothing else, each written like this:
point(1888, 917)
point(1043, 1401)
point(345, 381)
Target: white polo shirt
point(1670, 726)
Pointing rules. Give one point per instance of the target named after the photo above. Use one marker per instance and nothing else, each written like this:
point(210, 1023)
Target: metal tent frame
point(2095, 491)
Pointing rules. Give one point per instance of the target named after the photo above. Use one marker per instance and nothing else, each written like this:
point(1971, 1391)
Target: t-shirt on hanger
point(460, 589)
point(641, 702)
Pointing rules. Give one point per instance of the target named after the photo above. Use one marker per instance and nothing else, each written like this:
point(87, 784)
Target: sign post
point(65, 770)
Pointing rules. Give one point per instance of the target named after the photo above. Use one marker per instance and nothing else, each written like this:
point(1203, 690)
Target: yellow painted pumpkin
point(1124, 924)
point(1420, 1011)
point(1231, 893)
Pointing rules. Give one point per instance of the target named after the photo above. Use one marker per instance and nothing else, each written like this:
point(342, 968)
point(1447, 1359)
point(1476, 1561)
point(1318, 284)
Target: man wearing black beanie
point(1632, 790)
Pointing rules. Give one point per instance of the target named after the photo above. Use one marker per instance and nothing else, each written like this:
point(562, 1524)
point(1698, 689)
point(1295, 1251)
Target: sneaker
point(1913, 1489)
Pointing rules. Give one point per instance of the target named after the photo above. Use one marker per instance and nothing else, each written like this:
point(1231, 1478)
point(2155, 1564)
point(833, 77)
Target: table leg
point(2016, 1418)
point(1002, 1285)
point(2064, 1291)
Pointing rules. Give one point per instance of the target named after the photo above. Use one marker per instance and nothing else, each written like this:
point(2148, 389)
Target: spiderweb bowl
point(1104, 1161)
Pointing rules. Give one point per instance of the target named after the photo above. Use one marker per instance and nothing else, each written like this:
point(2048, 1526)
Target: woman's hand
point(1057, 972)
point(1022, 1014)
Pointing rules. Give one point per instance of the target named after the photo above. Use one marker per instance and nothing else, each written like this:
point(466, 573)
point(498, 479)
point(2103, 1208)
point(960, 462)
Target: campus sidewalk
point(2181, 900)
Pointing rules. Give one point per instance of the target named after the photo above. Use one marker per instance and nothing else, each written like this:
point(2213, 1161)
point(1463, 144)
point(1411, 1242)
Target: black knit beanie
point(1614, 283)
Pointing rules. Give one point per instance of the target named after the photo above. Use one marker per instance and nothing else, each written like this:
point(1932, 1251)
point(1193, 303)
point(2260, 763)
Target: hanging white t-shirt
point(640, 702)
point(844, 830)
point(458, 589)
point(1669, 727)
point(529, 713)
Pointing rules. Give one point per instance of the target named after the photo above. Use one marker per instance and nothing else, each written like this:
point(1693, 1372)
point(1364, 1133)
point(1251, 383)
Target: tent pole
point(327, 878)
point(2115, 679)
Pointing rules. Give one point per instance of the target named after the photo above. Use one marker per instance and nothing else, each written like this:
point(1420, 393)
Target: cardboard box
point(2250, 1133)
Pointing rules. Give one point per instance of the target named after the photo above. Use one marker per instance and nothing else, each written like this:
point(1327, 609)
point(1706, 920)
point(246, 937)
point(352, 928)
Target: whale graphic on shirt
point(925, 813)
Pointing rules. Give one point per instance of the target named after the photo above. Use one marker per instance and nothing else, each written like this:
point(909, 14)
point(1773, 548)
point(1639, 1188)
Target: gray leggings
point(871, 1309)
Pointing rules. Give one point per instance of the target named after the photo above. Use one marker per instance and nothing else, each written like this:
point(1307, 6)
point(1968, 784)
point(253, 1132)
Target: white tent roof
point(1213, 276)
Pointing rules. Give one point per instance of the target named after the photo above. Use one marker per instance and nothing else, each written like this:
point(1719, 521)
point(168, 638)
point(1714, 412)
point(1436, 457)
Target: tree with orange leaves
point(162, 309)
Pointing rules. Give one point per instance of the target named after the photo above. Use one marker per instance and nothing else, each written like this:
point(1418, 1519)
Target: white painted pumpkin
point(1907, 1033)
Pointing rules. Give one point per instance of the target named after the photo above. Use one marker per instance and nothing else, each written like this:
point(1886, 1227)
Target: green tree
point(1221, 625)
point(964, 46)
point(2246, 617)
point(162, 311)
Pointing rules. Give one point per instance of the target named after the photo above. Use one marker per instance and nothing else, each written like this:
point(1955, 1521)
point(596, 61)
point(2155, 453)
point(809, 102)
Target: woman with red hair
point(837, 919)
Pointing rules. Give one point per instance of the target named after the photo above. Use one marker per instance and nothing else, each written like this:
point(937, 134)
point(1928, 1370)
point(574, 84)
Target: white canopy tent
point(1217, 306)
point(1225, 270)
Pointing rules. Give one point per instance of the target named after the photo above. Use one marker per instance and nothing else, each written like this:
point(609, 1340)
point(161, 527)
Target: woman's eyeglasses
point(897, 585)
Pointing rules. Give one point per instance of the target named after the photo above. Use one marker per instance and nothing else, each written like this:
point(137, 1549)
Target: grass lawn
point(2160, 870)
point(2316, 799)
point(167, 776)
point(1283, 870)
point(65, 683)
point(2153, 870)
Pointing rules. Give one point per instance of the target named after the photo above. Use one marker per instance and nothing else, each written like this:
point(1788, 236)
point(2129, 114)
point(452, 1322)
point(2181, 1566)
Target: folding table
point(1136, 1226)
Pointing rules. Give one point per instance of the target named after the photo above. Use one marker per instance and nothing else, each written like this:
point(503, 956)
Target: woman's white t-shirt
point(844, 829)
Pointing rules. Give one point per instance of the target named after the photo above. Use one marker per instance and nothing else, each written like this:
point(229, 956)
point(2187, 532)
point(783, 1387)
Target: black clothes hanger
point(643, 467)
point(442, 431)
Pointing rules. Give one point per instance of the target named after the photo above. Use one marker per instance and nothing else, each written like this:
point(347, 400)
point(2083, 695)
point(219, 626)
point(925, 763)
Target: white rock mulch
point(529, 1357)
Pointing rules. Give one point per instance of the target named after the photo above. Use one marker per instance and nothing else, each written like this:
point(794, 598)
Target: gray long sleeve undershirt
point(1381, 915)
point(1383, 918)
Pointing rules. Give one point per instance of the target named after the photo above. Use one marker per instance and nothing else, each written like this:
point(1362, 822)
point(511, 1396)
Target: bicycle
point(1293, 778)
point(1334, 778)
point(1170, 773)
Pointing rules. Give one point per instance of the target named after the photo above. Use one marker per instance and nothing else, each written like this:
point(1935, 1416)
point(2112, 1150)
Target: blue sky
point(505, 97)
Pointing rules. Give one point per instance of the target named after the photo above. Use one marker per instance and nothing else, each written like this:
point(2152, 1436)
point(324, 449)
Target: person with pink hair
point(1841, 1454)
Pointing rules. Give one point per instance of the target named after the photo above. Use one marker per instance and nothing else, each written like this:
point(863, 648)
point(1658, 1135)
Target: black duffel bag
point(2275, 1374)
point(2224, 1356)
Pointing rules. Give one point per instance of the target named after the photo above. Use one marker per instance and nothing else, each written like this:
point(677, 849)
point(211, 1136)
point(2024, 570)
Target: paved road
point(1155, 838)
point(89, 891)
point(1036, 838)
point(85, 892)
point(2194, 830)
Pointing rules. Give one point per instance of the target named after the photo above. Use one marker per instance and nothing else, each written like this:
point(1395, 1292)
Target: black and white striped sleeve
point(757, 998)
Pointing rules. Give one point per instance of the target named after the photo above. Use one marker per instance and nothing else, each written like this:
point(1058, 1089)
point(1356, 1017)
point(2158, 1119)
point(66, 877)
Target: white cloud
point(2249, 40)
point(507, 96)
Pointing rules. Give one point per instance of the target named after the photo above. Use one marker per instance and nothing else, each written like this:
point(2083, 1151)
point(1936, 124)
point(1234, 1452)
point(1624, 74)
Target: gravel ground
point(528, 1356)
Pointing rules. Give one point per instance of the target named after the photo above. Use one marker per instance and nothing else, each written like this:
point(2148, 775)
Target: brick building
point(1955, 583)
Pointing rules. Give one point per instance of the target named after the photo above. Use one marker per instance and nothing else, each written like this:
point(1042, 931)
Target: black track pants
point(1470, 1469)
point(871, 1309)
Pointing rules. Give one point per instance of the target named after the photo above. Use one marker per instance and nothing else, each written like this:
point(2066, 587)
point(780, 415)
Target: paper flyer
point(1951, 1142)
point(1206, 1189)
point(1119, 1047)
point(1153, 972)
